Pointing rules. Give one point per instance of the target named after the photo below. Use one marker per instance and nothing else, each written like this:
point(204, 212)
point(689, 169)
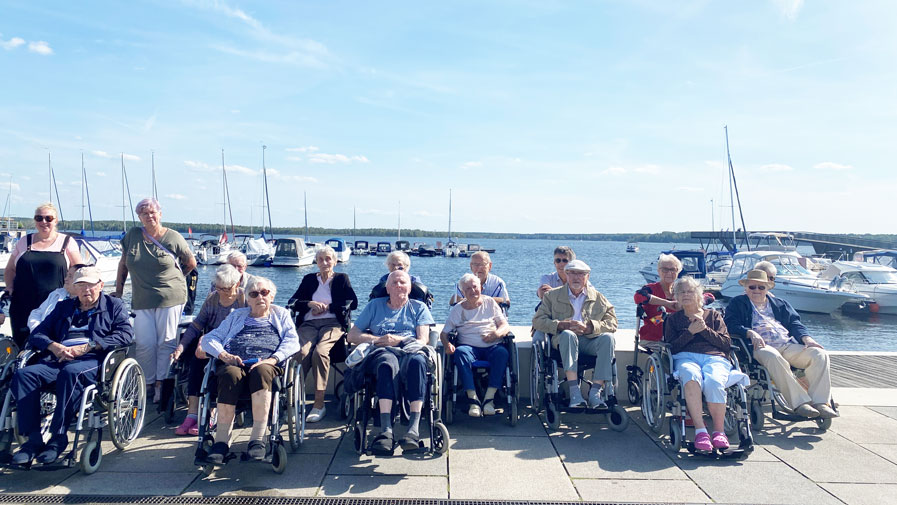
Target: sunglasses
point(48, 219)
point(754, 288)
point(561, 260)
point(263, 292)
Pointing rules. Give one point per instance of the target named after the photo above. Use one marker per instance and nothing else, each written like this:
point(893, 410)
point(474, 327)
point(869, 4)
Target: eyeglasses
point(46, 219)
point(771, 277)
point(669, 270)
point(225, 290)
point(263, 292)
point(478, 265)
point(754, 288)
point(561, 260)
point(575, 273)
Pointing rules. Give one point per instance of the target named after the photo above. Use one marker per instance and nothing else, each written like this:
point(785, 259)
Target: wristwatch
point(94, 345)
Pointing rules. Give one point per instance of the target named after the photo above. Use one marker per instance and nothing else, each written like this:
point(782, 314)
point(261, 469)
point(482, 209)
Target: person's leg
point(568, 345)
point(73, 377)
point(167, 319)
point(497, 356)
point(261, 380)
point(145, 339)
point(691, 379)
point(815, 363)
point(780, 372)
point(715, 371)
point(386, 392)
point(330, 333)
point(602, 347)
point(415, 390)
point(26, 389)
point(308, 337)
point(230, 385)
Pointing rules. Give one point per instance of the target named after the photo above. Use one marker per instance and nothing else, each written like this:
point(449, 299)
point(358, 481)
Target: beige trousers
point(814, 361)
point(321, 334)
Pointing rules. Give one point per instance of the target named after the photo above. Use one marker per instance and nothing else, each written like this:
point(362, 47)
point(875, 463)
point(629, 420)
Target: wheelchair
point(546, 392)
point(363, 410)
point(663, 392)
point(763, 390)
point(287, 410)
point(116, 400)
point(508, 395)
point(174, 386)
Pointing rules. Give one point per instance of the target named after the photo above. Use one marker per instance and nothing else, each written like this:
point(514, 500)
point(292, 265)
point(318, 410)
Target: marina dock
point(855, 462)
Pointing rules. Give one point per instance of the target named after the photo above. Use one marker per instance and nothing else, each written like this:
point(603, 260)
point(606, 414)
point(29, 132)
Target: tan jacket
point(556, 307)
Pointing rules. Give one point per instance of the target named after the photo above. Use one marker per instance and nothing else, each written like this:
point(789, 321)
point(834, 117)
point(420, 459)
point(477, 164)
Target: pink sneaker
point(188, 427)
point(702, 442)
point(720, 441)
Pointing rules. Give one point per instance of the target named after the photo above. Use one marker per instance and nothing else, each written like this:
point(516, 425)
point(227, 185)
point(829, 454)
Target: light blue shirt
point(494, 287)
point(378, 319)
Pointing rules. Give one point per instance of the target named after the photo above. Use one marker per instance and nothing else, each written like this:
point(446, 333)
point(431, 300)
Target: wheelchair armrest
point(114, 356)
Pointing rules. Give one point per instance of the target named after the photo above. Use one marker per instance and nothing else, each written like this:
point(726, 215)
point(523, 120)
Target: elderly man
point(72, 341)
point(397, 327)
point(492, 285)
point(582, 320)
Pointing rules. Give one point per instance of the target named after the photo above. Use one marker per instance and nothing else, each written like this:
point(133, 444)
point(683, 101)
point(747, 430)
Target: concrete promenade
point(854, 463)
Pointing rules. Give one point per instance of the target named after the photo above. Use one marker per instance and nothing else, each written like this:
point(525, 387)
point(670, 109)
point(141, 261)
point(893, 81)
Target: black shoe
point(382, 444)
point(24, 456)
point(48, 456)
point(256, 450)
point(410, 443)
point(217, 453)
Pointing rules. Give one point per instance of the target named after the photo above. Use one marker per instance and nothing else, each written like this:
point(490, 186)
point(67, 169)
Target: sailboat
point(451, 250)
point(214, 251)
point(259, 251)
point(294, 251)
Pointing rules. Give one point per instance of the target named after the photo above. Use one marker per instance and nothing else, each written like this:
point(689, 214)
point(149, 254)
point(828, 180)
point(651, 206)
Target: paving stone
point(151, 456)
point(754, 482)
point(865, 426)
point(613, 490)
point(887, 451)
point(385, 486)
point(33, 481)
point(527, 426)
point(347, 462)
point(812, 455)
point(302, 477)
point(863, 494)
point(323, 437)
point(123, 484)
point(888, 411)
point(508, 465)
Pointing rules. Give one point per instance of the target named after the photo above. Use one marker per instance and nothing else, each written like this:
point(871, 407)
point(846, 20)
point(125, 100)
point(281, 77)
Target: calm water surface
point(521, 263)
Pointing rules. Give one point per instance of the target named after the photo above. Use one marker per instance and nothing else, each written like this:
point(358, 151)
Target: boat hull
point(802, 297)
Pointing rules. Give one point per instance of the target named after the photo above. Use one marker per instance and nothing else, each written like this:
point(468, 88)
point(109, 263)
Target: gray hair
point(669, 259)
point(226, 276)
point(152, 203)
point(686, 283)
point(564, 250)
point(401, 256)
point(396, 273)
point(767, 267)
point(468, 278)
point(481, 254)
point(236, 256)
point(256, 282)
point(326, 249)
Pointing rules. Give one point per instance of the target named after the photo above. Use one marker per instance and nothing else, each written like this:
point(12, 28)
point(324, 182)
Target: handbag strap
point(159, 244)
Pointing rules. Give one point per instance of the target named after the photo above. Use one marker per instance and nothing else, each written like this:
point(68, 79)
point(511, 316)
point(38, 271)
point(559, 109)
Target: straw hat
point(759, 277)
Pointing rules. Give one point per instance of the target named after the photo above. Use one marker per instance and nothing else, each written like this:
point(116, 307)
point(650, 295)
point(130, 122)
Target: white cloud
point(690, 189)
point(647, 169)
point(294, 158)
point(613, 171)
point(198, 165)
point(7, 185)
point(471, 164)
point(176, 196)
point(205, 167)
point(276, 174)
point(425, 213)
point(12, 43)
point(776, 167)
point(830, 165)
point(715, 164)
point(104, 154)
point(306, 149)
point(40, 47)
point(332, 159)
point(240, 169)
point(101, 174)
point(789, 8)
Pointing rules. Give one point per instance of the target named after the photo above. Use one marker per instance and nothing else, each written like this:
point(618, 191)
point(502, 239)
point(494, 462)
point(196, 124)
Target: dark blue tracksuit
point(107, 325)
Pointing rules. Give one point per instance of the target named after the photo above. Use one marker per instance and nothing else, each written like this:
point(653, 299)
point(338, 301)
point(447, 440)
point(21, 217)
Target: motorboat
point(343, 253)
point(451, 249)
point(886, 257)
point(258, 251)
point(468, 250)
point(771, 241)
point(693, 264)
point(292, 252)
point(403, 245)
point(718, 264)
point(212, 250)
point(632, 247)
point(361, 248)
point(383, 249)
point(426, 251)
point(794, 283)
point(104, 254)
point(878, 282)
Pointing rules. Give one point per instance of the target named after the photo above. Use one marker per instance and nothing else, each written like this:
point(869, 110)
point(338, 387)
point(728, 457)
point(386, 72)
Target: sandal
point(410, 443)
point(382, 444)
point(256, 450)
point(489, 408)
point(217, 453)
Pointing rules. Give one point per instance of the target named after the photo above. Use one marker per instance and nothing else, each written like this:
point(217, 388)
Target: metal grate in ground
point(863, 371)
point(255, 500)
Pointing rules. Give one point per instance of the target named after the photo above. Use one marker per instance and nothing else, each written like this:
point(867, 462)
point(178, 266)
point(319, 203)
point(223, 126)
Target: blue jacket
point(740, 312)
point(109, 326)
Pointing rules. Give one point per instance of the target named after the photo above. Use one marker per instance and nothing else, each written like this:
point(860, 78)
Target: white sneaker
point(596, 400)
point(316, 415)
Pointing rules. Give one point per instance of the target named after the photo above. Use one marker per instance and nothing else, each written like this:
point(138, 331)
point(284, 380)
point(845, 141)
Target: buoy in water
point(873, 307)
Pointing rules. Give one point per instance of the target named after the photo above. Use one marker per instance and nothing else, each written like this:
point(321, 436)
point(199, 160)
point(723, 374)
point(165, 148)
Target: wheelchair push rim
point(128, 406)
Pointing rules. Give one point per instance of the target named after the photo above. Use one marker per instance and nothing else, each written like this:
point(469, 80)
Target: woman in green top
point(157, 259)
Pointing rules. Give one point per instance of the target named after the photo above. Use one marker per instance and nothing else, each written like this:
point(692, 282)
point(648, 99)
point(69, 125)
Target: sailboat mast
point(128, 188)
point(353, 224)
point(267, 202)
point(400, 221)
point(87, 192)
point(82, 193)
point(54, 187)
point(124, 227)
point(731, 190)
point(734, 184)
point(305, 204)
point(155, 190)
point(450, 216)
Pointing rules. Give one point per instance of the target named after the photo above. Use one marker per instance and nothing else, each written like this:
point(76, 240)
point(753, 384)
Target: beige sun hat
point(758, 276)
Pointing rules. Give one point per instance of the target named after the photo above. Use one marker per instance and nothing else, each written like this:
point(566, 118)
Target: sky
point(540, 116)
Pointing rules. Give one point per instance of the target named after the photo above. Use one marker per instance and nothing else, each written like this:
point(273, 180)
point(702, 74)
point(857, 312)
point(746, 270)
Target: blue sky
point(541, 116)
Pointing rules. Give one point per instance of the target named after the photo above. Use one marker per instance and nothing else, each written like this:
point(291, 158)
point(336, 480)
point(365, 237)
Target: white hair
point(401, 256)
point(468, 278)
point(767, 267)
point(326, 250)
point(257, 281)
point(236, 255)
point(226, 276)
point(669, 259)
point(687, 283)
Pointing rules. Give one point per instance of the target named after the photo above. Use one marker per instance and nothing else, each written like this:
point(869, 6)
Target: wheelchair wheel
point(342, 406)
point(279, 459)
point(676, 435)
point(823, 424)
point(653, 395)
point(635, 392)
point(295, 407)
point(513, 414)
point(733, 414)
point(440, 438)
point(128, 405)
point(535, 379)
point(618, 418)
point(358, 438)
point(91, 457)
point(553, 416)
point(757, 417)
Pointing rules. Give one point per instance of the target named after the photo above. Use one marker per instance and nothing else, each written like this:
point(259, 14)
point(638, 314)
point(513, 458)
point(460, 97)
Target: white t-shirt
point(473, 324)
point(323, 295)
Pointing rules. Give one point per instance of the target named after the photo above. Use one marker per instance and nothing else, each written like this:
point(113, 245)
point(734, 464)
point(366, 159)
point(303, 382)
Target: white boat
point(693, 264)
point(794, 283)
point(292, 252)
point(257, 250)
point(886, 257)
point(361, 248)
point(343, 253)
point(632, 247)
point(718, 264)
point(212, 250)
point(878, 282)
point(383, 249)
point(452, 249)
point(103, 254)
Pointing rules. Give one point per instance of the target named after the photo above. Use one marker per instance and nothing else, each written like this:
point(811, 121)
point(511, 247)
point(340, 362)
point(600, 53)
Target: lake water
point(522, 262)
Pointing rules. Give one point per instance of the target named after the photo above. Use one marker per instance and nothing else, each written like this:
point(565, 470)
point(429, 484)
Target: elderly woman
point(780, 340)
point(37, 266)
point(227, 297)
point(700, 345)
point(398, 260)
point(655, 295)
point(480, 324)
point(556, 279)
point(238, 260)
point(320, 303)
point(251, 345)
point(157, 258)
point(397, 327)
